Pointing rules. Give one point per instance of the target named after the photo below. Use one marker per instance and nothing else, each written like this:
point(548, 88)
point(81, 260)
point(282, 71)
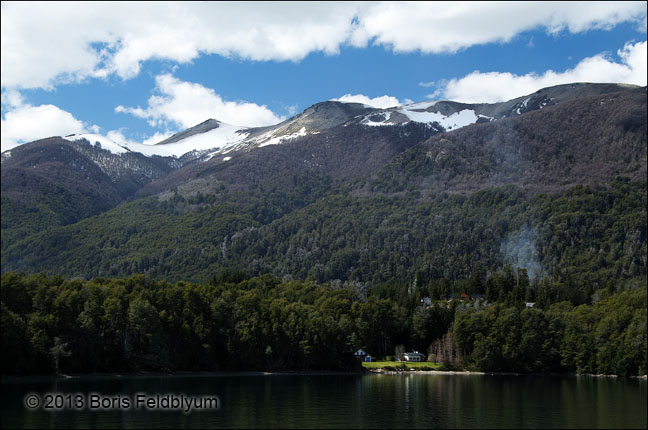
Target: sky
point(139, 72)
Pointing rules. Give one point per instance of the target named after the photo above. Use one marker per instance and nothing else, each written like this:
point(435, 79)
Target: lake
point(328, 401)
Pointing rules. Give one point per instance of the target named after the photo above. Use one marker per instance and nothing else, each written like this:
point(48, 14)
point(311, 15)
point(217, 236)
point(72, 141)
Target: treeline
point(51, 324)
point(607, 337)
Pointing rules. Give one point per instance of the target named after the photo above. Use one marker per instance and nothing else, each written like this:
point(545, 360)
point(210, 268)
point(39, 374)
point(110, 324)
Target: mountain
point(583, 141)
point(553, 182)
point(321, 117)
point(58, 181)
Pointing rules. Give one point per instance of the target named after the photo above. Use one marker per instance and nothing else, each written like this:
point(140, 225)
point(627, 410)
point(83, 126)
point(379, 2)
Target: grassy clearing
point(407, 365)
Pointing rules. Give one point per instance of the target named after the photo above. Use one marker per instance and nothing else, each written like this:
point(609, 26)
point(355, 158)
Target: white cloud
point(292, 110)
point(48, 42)
point(450, 26)
point(27, 123)
point(500, 86)
point(69, 41)
point(187, 104)
point(381, 102)
point(51, 42)
point(12, 99)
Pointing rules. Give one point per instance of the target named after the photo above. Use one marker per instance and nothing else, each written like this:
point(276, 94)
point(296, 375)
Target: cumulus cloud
point(60, 42)
point(12, 99)
point(450, 26)
point(493, 87)
point(54, 42)
point(381, 102)
point(26, 123)
point(48, 43)
point(187, 104)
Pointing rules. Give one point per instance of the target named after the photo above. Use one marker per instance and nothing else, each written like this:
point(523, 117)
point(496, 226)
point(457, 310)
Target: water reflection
point(333, 401)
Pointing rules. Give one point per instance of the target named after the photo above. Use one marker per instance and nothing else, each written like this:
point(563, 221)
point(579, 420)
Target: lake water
point(331, 401)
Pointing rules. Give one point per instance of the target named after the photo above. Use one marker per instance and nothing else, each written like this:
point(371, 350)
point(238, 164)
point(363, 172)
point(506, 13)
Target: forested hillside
point(53, 182)
point(593, 235)
point(583, 141)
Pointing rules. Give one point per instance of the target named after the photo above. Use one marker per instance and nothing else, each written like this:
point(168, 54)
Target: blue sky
point(139, 72)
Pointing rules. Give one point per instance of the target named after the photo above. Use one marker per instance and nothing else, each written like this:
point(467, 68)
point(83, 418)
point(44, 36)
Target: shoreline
point(198, 374)
point(191, 374)
point(472, 372)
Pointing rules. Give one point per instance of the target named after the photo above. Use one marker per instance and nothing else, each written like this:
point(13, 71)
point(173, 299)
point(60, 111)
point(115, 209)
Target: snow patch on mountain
point(94, 139)
point(224, 138)
point(269, 138)
point(417, 112)
point(452, 122)
point(5, 156)
point(377, 119)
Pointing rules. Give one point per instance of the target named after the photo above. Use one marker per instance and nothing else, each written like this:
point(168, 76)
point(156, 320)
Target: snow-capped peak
point(421, 105)
point(223, 138)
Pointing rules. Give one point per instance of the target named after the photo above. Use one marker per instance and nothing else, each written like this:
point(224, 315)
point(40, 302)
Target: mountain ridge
point(355, 202)
point(328, 114)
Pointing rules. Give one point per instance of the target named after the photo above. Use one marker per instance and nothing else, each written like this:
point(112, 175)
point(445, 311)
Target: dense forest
point(51, 324)
point(589, 236)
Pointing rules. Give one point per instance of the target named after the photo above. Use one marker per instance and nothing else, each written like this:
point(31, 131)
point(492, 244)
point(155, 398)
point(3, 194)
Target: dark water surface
point(325, 401)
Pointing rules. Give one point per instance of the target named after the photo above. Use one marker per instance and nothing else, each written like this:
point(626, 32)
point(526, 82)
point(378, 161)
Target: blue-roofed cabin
point(360, 353)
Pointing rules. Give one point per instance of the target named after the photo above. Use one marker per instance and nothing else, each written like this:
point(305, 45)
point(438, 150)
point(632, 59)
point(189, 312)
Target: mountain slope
point(581, 141)
point(343, 153)
point(559, 191)
point(55, 181)
point(349, 140)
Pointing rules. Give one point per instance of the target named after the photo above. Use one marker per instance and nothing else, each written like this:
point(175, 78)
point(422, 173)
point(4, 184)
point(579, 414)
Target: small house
point(363, 356)
point(530, 304)
point(413, 356)
point(360, 354)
